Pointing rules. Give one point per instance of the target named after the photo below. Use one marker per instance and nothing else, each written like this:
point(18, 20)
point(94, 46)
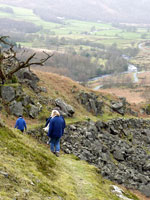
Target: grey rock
point(28, 77)
point(113, 131)
point(92, 106)
point(26, 74)
point(33, 111)
point(146, 167)
point(19, 91)
point(118, 155)
point(145, 189)
point(8, 93)
point(26, 100)
point(99, 125)
point(72, 127)
point(64, 107)
point(89, 100)
point(16, 108)
point(118, 107)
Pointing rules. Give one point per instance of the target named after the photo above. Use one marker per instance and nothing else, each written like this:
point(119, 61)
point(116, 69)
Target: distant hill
point(105, 10)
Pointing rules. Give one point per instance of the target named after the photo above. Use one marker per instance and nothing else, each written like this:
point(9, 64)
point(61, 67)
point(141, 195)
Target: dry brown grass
point(62, 87)
point(131, 95)
point(57, 85)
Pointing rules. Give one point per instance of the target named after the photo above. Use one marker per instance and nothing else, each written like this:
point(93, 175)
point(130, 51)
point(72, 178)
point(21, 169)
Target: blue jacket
point(56, 128)
point(48, 121)
point(20, 124)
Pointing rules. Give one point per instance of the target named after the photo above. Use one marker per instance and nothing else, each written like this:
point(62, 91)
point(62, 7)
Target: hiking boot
point(57, 153)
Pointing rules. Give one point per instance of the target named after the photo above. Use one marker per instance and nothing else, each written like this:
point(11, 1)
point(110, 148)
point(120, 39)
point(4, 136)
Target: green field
point(103, 33)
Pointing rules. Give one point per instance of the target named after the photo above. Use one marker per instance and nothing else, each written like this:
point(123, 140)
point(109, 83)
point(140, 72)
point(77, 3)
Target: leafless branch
point(8, 58)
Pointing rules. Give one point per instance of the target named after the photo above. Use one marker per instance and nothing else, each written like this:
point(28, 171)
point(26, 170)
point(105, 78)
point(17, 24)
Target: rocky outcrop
point(65, 109)
point(18, 102)
point(28, 77)
point(8, 93)
point(16, 108)
point(120, 106)
point(33, 110)
point(91, 102)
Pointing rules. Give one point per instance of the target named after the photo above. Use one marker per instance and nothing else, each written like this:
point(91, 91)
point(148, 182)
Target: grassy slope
point(68, 90)
point(34, 173)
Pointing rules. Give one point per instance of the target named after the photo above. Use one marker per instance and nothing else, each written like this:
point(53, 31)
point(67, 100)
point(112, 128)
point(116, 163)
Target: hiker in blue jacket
point(21, 124)
point(55, 132)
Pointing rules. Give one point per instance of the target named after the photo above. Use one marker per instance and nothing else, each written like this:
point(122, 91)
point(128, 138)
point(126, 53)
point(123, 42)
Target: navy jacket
point(56, 128)
point(48, 121)
point(20, 124)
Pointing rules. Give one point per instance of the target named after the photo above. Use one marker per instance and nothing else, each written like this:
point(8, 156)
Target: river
point(132, 69)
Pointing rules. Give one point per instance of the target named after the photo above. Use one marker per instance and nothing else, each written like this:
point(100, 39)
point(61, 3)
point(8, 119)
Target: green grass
point(34, 173)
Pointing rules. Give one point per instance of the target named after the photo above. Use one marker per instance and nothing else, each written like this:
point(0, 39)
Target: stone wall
point(119, 148)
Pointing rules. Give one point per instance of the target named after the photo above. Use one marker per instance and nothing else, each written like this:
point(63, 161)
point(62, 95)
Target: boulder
point(91, 103)
point(28, 77)
point(118, 107)
point(16, 108)
point(19, 91)
point(8, 93)
point(118, 155)
point(26, 74)
point(33, 111)
point(64, 107)
point(99, 124)
point(26, 100)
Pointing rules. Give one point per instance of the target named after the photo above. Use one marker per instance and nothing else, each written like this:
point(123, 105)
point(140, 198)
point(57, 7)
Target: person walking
point(55, 132)
point(21, 124)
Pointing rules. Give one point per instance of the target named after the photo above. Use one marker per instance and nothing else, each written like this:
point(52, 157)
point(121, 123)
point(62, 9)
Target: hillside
point(110, 11)
point(38, 99)
point(29, 171)
point(71, 179)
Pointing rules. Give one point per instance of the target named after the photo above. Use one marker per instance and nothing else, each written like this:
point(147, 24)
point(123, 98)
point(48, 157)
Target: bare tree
point(9, 63)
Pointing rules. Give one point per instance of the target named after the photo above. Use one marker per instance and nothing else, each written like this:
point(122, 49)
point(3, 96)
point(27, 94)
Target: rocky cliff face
point(119, 148)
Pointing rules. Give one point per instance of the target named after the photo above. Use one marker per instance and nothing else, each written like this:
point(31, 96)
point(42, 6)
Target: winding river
point(132, 69)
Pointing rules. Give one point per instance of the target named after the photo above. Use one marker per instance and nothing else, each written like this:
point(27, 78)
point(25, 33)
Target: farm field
point(102, 33)
point(90, 40)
